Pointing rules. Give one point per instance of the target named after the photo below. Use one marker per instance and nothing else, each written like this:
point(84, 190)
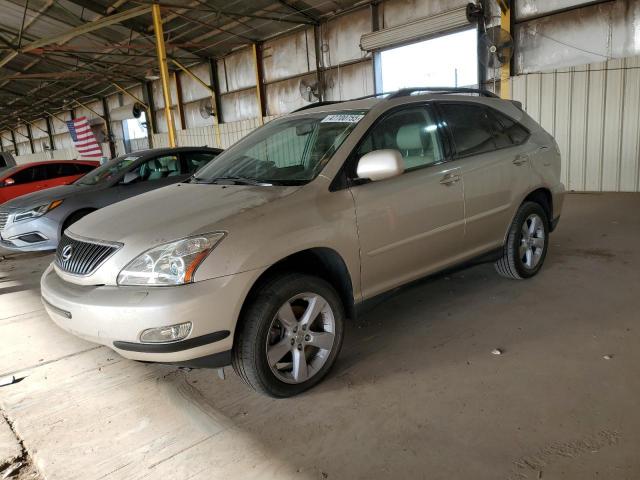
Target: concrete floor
point(416, 392)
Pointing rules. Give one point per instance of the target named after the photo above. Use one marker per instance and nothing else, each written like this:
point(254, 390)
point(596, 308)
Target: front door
point(412, 224)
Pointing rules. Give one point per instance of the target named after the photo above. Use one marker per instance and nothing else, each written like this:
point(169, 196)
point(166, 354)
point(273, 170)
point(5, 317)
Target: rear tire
point(289, 335)
point(527, 243)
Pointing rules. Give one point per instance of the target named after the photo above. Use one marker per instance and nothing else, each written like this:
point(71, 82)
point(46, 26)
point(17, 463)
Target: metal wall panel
point(350, 81)
point(191, 89)
point(525, 9)
point(289, 55)
point(594, 113)
point(341, 37)
point(586, 35)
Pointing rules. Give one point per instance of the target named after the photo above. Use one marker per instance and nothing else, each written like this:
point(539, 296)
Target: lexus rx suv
point(261, 257)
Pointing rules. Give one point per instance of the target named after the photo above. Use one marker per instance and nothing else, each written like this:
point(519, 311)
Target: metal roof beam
point(77, 31)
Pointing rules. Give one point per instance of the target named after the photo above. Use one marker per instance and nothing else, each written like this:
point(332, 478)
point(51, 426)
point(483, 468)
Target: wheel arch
point(543, 197)
point(323, 262)
point(84, 211)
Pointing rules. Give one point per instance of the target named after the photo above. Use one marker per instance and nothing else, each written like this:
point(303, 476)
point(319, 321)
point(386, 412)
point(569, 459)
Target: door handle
point(450, 179)
point(521, 159)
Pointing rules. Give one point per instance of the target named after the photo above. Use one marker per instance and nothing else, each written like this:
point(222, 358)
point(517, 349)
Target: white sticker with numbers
point(342, 118)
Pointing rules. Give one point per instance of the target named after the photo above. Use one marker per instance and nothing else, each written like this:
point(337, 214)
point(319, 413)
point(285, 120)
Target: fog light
point(171, 333)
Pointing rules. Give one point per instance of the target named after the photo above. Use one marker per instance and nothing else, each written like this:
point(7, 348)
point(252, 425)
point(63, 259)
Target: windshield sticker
point(130, 159)
point(342, 118)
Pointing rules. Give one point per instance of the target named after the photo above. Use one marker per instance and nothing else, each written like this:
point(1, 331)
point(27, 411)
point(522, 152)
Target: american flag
point(83, 138)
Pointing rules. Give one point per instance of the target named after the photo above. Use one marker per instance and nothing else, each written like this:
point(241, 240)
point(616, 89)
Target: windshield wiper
point(236, 180)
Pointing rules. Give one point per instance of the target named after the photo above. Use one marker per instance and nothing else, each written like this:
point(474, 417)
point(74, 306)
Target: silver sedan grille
point(4, 215)
point(80, 257)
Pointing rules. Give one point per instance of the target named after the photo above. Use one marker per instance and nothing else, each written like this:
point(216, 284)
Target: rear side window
point(82, 168)
point(471, 128)
point(195, 160)
point(55, 170)
point(515, 132)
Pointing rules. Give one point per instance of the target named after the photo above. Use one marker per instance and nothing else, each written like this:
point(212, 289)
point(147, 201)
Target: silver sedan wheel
point(532, 241)
point(301, 337)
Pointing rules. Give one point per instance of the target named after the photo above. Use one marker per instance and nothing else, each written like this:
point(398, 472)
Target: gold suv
point(259, 259)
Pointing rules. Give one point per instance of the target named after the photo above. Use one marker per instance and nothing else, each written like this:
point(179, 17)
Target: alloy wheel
point(301, 337)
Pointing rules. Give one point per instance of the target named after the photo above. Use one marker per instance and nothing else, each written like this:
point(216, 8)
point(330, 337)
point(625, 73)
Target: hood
point(41, 197)
point(174, 212)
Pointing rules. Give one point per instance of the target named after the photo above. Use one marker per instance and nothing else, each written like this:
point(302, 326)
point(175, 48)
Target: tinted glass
point(108, 171)
point(412, 131)
point(55, 170)
point(158, 167)
point(293, 150)
point(195, 160)
point(31, 174)
point(81, 168)
point(471, 128)
point(517, 133)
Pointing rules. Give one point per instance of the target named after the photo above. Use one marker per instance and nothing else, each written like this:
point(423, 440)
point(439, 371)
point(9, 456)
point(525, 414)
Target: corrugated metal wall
point(593, 111)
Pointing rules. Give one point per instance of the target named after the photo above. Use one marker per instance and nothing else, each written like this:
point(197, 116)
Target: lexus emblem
point(67, 251)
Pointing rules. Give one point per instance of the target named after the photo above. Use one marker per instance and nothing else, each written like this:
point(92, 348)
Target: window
point(516, 133)
point(31, 174)
point(411, 131)
point(289, 151)
point(195, 160)
point(470, 126)
point(81, 168)
point(56, 170)
point(158, 167)
point(108, 171)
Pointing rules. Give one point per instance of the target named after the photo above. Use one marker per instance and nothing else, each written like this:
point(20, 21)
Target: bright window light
point(447, 61)
point(136, 127)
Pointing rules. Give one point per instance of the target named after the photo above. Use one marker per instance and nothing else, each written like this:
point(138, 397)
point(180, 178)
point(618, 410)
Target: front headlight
point(172, 263)
point(36, 211)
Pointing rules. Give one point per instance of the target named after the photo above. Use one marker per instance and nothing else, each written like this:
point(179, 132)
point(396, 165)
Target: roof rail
point(402, 93)
point(317, 104)
point(408, 91)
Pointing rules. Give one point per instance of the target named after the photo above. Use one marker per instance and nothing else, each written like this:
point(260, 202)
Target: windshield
point(291, 151)
point(108, 171)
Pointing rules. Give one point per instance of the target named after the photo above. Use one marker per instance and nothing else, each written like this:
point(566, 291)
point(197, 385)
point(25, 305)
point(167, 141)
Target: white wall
point(592, 111)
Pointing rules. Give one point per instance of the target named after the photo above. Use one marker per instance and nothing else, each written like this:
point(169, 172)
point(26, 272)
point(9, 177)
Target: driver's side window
point(411, 131)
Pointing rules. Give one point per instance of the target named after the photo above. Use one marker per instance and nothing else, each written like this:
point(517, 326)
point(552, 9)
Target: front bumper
point(34, 235)
point(116, 316)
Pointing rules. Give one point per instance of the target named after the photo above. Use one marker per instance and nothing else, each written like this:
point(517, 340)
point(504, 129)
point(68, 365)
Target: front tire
point(527, 243)
point(289, 336)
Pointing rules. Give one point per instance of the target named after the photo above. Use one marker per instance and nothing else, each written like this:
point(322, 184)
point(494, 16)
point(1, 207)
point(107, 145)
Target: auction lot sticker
point(342, 118)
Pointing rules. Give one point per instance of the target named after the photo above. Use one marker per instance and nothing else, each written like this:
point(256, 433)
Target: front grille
point(4, 215)
point(82, 258)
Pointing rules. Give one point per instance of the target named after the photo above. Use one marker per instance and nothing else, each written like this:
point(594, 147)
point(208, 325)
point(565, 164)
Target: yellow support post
point(505, 69)
point(164, 71)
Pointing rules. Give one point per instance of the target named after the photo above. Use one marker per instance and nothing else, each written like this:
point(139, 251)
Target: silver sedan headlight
point(173, 263)
point(35, 212)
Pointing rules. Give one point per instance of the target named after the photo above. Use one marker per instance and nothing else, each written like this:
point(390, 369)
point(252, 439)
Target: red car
point(31, 177)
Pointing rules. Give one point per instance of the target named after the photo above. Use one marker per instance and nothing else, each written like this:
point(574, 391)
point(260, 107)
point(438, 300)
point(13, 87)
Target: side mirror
point(380, 165)
point(8, 182)
point(130, 177)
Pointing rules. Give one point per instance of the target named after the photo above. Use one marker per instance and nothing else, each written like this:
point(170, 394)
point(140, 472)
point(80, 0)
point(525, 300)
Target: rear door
point(495, 169)
point(413, 224)
point(27, 180)
point(59, 173)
